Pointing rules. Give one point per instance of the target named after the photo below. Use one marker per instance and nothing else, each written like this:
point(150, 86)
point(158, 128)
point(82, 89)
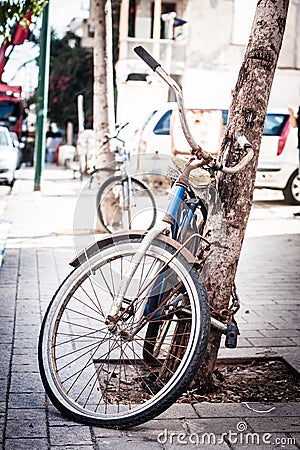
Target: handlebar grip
point(145, 56)
point(242, 141)
point(120, 126)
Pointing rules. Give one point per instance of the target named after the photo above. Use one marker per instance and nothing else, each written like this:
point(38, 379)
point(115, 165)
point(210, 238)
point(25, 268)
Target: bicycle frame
point(169, 225)
point(180, 228)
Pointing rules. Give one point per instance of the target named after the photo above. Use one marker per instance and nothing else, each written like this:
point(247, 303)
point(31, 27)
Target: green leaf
point(11, 12)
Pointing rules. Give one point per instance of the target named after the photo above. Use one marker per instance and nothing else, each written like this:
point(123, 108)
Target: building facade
point(201, 43)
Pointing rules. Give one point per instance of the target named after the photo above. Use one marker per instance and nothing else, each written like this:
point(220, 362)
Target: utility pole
point(42, 100)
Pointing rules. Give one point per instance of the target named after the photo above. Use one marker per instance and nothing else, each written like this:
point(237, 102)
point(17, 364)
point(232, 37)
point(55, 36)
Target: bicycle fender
point(94, 248)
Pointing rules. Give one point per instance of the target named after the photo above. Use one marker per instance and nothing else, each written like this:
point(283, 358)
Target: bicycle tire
point(98, 377)
point(141, 214)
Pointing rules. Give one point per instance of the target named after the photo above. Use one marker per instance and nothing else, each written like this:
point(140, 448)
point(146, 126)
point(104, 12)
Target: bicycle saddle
point(198, 176)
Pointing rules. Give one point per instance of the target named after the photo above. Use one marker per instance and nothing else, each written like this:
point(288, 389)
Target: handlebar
point(245, 145)
point(115, 135)
point(145, 56)
point(197, 150)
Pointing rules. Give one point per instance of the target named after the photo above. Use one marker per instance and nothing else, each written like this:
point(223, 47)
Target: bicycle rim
point(103, 378)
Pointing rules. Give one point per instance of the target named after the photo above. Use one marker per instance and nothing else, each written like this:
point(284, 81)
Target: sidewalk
point(39, 246)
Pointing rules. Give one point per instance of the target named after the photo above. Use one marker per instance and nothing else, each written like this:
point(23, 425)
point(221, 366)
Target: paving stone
point(256, 325)
point(296, 340)
point(247, 409)
point(55, 418)
point(248, 353)
point(153, 427)
point(249, 440)
point(208, 442)
point(27, 308)
point(3, 387)
point(37, 414)
point(22, 343)
point(74, 447)
point(127, 444)
point(6, 334)
point(215, 424)
point(271, 342)
point(26, 382)
point(5, 352)
point(296, 437)
point(178, 411)
point(26, 400)
point(26, 444)
point(287, 424)
point(251, 334)
point(242, 342)
point(207, 410)
point(109, 433)
point(23, 428)
point(291, 333)
point(24, 331)
point(70, 435)
point(4, 369)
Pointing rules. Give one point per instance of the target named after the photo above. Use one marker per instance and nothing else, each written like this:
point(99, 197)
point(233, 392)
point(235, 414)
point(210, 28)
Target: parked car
point(278, 163)
point(8, 158)
point(154, 140)
point(19, 146)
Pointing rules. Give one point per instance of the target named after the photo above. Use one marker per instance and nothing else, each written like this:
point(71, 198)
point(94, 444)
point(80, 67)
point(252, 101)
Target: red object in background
point(21, 31)
point(57, 155)
point(11, 103)
point(283, 137)
point(11, 108)
point(3, 58)
point(19, 34)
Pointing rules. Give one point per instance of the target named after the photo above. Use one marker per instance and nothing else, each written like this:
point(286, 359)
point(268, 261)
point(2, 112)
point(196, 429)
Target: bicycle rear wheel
point(125, 203)
point(128, 375)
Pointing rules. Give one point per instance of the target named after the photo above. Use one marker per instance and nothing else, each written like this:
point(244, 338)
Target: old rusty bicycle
point(125, 333)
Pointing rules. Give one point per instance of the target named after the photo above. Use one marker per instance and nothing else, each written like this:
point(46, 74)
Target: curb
point(4, 230)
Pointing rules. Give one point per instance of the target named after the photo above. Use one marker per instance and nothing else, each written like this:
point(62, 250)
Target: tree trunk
point(246, 115)
point(103, 102)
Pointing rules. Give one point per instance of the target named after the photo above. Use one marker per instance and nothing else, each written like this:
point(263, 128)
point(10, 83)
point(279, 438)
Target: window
point(131, 18)
point(9, 109)
point(165, 8)
point(274, 124)
point(163, 125)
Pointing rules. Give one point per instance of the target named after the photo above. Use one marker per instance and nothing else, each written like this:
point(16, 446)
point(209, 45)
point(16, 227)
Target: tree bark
point(246, 115)
point(103, 102)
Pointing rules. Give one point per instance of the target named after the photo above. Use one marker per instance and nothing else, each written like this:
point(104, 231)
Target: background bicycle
point(123, 201)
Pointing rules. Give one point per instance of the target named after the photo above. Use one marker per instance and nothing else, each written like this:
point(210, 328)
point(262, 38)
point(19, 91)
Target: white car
point(9, 156)
point(278, 163)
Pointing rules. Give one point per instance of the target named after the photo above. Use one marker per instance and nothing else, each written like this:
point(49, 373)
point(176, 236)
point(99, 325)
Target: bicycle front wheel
point(125, 203)
point(127, 375)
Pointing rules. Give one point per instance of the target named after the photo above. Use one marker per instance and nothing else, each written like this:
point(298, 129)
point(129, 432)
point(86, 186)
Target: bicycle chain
point(227, 314)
